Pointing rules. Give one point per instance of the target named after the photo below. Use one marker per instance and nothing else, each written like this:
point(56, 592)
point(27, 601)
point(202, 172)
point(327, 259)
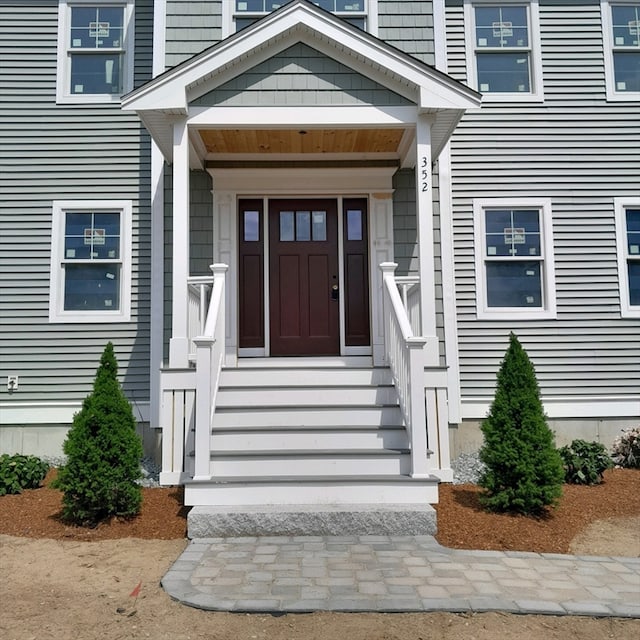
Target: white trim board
point(570, 407)
point(41, 413)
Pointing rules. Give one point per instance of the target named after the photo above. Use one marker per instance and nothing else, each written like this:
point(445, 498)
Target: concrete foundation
point(311, 520)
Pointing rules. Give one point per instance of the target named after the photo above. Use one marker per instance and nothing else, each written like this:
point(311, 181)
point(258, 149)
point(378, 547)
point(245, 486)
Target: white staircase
point(319, 434)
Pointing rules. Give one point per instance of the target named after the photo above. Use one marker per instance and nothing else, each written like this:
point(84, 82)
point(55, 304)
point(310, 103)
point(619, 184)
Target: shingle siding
point(580, 151)
point(408, 25)
point(300, 75)
point(53, 152)
point(191, 27)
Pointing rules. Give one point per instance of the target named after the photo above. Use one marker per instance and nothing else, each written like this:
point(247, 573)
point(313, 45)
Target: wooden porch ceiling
point(267, 141)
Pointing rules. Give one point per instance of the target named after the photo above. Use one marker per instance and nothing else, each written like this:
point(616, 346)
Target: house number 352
point(424, 173)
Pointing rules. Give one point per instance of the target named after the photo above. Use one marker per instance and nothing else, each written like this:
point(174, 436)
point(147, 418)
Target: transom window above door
point(303, 226)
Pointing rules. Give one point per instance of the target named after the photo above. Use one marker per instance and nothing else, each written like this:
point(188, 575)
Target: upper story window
point(628, 243)
point(95, 50)
point(503, 49)
point(621, 34)
point(246, 12)
point(514, 259)
point(91, 261)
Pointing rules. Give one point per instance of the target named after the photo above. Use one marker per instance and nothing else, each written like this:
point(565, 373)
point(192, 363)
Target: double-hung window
point(514, 259)
point(503, 49)
point(246, 12)
point(621, 35)
point(91, 261)
point(95, 50)
point(628, 243)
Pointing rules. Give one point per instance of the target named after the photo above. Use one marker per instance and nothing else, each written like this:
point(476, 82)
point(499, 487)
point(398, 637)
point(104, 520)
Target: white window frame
point(63, 80)
point(536, 94)
point(609, 48)
point(546, 258)
point(228, 14)
point(627, 310)
point(57, 313)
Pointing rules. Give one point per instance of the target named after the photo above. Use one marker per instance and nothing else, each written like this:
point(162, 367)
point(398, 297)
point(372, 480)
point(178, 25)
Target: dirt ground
point(59, 582)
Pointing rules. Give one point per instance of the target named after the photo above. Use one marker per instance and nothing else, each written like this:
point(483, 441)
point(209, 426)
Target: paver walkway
point(396, 573)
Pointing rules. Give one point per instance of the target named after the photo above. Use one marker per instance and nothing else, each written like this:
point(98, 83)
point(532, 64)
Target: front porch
point(310, 127)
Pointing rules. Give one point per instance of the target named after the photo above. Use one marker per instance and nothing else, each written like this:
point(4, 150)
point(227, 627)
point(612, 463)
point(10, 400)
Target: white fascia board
point(310, 117)
point(567, 407)
point(358, 50)
point(32, 413)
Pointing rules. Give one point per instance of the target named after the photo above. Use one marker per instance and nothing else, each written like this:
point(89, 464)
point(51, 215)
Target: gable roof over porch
point(179, 92)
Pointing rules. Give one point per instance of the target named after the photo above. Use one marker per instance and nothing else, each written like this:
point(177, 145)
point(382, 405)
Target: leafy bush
point(626, 449)
point(20, 472)
point(523, 468)
point(103, 453)
point(585, 462)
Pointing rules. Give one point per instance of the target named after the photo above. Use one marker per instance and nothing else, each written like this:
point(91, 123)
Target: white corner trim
point(33, 413)
point(583, 407)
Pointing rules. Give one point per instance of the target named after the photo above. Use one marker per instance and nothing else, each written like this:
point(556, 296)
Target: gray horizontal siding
point(191, 27)
point(300, 75)
point(55, 152)
point(579, 151)
point(408, 25)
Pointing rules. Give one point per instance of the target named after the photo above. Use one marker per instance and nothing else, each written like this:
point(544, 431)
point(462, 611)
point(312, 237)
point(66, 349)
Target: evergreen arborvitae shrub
point(103, 453)
point(524, 471)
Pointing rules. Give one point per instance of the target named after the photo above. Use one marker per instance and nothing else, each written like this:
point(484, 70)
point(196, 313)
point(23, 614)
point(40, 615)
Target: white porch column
point(179, 344)
point(424, 222)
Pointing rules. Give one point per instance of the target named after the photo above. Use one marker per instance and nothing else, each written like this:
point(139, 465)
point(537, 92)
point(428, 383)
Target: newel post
point(419, 462)
point(202, 440)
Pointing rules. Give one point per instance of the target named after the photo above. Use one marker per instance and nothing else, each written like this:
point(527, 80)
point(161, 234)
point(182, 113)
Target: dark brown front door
point(303, 277)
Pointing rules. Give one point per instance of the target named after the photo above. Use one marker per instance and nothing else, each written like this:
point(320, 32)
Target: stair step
point(305, 377)
point(306, 396)
point(342, 489)
point(311, 520)
point(306, 417)
point(273, 438)
point(309, 462)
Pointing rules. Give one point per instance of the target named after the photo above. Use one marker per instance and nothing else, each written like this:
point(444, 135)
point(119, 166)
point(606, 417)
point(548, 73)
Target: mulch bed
point(462, 523)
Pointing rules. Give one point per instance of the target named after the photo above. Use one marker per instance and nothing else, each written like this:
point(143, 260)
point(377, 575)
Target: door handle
point(334, 292)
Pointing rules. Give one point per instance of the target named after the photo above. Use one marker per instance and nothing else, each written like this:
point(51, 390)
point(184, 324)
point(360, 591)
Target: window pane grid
point(625, 38)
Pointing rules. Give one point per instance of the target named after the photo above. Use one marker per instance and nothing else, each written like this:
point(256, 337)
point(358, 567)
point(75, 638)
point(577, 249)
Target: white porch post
point(179, 344)
point(424, 222)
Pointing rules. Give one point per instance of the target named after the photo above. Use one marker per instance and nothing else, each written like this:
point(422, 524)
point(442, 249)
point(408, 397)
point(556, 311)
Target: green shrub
point(103, 453)
point(20, 472)
point(523, 471)
point(626, 449)
point(585, 462)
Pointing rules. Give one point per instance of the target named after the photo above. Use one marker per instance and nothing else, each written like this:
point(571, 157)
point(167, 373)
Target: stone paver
point(396, 573)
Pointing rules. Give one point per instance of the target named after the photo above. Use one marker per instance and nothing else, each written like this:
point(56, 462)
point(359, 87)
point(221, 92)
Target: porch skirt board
point(311, 520)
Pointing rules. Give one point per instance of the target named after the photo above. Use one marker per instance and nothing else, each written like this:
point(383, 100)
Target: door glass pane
point(251, 226)
point(354, 224)
point(286, 226)
point(303, 226)
point(319, 226)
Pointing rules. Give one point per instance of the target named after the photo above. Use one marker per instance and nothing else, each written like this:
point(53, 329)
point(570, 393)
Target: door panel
point(303, 269)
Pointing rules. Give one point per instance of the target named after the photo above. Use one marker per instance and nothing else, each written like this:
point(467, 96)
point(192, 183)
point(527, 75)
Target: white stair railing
point(405, 356)
point(199, 295)
point(209, 356)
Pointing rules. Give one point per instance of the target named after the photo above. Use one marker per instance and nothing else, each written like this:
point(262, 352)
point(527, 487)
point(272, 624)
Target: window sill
point(89, 98)
point(88, 317)
point(509, 313)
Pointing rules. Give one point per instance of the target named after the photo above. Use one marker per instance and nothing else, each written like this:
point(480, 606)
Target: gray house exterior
point(488, 150)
